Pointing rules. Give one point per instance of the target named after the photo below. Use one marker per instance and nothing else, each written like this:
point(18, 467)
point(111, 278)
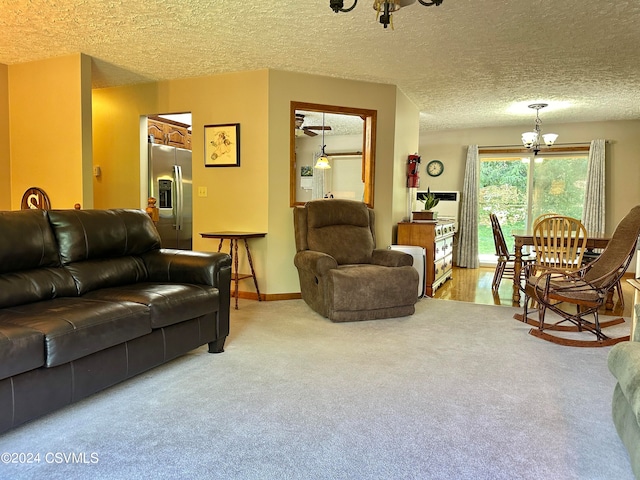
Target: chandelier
point(384, 8)
point(531, 140)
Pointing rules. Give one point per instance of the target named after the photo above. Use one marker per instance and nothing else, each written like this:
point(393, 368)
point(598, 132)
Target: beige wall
point(237, 198)
point(5, 166)
point(50, 125)
point(284, 87)
point(56, 151)
point(623, 156)
point(407, 140)
point(254, 197)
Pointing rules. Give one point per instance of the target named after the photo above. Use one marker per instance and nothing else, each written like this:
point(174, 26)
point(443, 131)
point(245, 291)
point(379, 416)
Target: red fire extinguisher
point(413, 165)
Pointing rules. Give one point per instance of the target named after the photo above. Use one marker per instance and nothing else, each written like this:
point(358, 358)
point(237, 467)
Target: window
point(519, 189)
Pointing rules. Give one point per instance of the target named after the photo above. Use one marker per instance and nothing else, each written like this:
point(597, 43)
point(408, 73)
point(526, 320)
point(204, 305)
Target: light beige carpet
point(456, 391)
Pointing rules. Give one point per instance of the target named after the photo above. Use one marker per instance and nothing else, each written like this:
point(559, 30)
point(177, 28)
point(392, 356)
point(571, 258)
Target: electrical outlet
point(202, 191)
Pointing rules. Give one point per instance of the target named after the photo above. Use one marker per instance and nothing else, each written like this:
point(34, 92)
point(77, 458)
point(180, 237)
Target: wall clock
point(35, 198)
point(435, 168)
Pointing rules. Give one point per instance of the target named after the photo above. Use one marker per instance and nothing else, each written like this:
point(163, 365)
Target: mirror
point(349, 139)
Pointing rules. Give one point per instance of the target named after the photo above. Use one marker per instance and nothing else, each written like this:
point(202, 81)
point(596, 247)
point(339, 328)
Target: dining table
point(523, 239)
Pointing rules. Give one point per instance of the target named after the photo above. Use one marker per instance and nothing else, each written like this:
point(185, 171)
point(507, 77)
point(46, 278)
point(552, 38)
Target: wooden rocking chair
point(587, 289)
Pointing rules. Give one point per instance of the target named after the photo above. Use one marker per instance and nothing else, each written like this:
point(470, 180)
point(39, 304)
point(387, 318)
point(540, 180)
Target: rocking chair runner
point(587, 289)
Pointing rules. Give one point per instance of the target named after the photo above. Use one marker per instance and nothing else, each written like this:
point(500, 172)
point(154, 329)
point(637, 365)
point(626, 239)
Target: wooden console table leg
point(235, 274)
point(233, 253)
point(253, 272)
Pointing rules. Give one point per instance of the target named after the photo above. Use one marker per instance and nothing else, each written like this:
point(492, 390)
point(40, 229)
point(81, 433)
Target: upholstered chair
point(342, 274)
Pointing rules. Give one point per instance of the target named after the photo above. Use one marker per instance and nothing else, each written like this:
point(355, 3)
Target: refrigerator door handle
point(177, 173)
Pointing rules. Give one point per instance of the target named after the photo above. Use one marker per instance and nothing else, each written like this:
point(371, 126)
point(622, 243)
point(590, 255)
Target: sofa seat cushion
point(76, 327)
point(21, 348)
point(168, 303)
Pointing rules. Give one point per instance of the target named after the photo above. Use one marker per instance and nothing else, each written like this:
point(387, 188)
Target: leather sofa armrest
point(391, 258)
point(317, 263)
point(186, 266)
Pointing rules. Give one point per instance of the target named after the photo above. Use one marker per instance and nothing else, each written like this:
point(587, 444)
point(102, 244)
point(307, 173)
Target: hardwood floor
point(474, 285)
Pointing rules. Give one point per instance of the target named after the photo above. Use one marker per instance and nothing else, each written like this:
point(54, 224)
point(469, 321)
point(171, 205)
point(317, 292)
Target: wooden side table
point(233, 238)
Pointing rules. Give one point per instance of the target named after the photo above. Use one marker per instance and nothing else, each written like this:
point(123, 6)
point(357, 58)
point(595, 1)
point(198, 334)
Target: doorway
point(169, 167)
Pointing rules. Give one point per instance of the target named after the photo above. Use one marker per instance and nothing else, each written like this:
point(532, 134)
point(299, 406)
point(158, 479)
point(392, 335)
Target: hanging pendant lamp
point(323, 161)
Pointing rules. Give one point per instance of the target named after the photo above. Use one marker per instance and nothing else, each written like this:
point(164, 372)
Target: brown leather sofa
point(88, 299)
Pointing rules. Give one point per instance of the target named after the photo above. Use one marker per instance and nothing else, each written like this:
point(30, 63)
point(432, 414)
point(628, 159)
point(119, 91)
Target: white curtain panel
point(468, 234)
point(593, 216)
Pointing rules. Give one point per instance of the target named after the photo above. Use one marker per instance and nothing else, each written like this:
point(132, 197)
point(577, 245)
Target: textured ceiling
point(466, 63)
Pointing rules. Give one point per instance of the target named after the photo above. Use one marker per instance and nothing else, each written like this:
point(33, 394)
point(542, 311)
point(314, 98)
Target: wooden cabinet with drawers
point(437, 239)
point(166, 132)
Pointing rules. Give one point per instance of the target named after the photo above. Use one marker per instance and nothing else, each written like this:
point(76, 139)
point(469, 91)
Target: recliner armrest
point(316, 262)
point(391, 258)
point(186, 266)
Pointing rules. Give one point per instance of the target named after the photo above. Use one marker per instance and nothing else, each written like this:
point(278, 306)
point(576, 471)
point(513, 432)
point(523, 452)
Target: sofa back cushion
point(100, 248)
point(342, 229)
point(26, 241)
point(30, 268)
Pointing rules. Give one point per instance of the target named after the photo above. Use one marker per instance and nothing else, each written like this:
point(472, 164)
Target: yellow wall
point(116, 143)
point(5, 166)
point(237, 198)
point(47, 139)
point(254, 197)
point(50, 125)
point(284, 87)
point(622, 170)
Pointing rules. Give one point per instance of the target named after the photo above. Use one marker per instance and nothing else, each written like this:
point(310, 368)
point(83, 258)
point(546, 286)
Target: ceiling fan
point(300, 130)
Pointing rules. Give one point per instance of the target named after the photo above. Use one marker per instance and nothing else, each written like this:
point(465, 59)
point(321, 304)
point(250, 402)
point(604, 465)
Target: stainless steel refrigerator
point(170, 183)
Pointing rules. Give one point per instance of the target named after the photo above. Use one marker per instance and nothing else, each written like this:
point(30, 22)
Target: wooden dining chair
point(541, 217)
point(559, 242)
point(505, 259)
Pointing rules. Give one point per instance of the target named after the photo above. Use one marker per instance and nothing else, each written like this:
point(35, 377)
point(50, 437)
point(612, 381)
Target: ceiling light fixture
point(323, 161)
point(531, 140)
point(384, 8)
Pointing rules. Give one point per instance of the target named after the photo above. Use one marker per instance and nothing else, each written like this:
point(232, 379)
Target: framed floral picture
point(222, 145)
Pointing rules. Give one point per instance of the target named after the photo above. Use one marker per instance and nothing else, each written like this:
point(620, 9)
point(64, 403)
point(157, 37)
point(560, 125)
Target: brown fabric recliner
point(342, 274)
